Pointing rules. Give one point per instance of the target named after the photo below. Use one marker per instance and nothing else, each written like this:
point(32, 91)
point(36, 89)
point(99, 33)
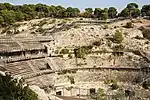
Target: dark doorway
point(58, 93)
point(92, 91)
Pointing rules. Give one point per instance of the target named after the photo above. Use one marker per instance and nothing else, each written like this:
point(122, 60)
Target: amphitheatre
point(73, 58)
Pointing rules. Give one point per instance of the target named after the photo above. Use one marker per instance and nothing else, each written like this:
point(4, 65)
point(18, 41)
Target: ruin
point(35, 59)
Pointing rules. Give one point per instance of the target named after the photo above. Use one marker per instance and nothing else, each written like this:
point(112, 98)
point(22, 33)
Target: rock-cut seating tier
point(7, 44)
point(40, 64)
point(19, 68)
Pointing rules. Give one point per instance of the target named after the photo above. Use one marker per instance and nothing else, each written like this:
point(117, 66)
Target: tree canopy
point(131, 11)
point(12, 89)
point(89, 10)
point(145, 10)
point(11, 13)
point(112, 12)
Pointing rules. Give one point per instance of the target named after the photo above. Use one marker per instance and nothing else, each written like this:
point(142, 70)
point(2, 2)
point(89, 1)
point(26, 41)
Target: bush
point(64, 51)
point(82, 51)
point(109, 81)
point(129, 25)
point(97, 43)
point(100, 94)
point(118, 38)
point(146, 33)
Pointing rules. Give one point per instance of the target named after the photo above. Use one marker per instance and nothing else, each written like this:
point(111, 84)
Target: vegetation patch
point(82, 51)
point(118, 38)
point(64, 51)
point(12, 89)
point(129, 25)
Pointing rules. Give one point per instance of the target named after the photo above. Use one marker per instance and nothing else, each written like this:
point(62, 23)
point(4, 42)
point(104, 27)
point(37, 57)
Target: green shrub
point(82, 51)
point(64, 51)
point(109, 81)
point(100, 94)
point(129, 25)
point(118, 38)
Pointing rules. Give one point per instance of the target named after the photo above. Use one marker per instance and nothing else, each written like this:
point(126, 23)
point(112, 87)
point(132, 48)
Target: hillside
point(114, 50)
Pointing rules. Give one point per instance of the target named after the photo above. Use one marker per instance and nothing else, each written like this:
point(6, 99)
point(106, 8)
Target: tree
point(27, 9)
point(20, 16)
point(97, 12)
point(104, 16)
point(145, 10)
point(12, 89)
point(133, 10)
point(52, 11)
point(89, 10)
point(8, 6)
point(135, 13)
point(2, 6)
point(60, 11)
point(9, 16)
point(118, 38)
point(125, 13)
point(132, 6)
point(86, 15)
point(112, 12)
point(1, 20)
